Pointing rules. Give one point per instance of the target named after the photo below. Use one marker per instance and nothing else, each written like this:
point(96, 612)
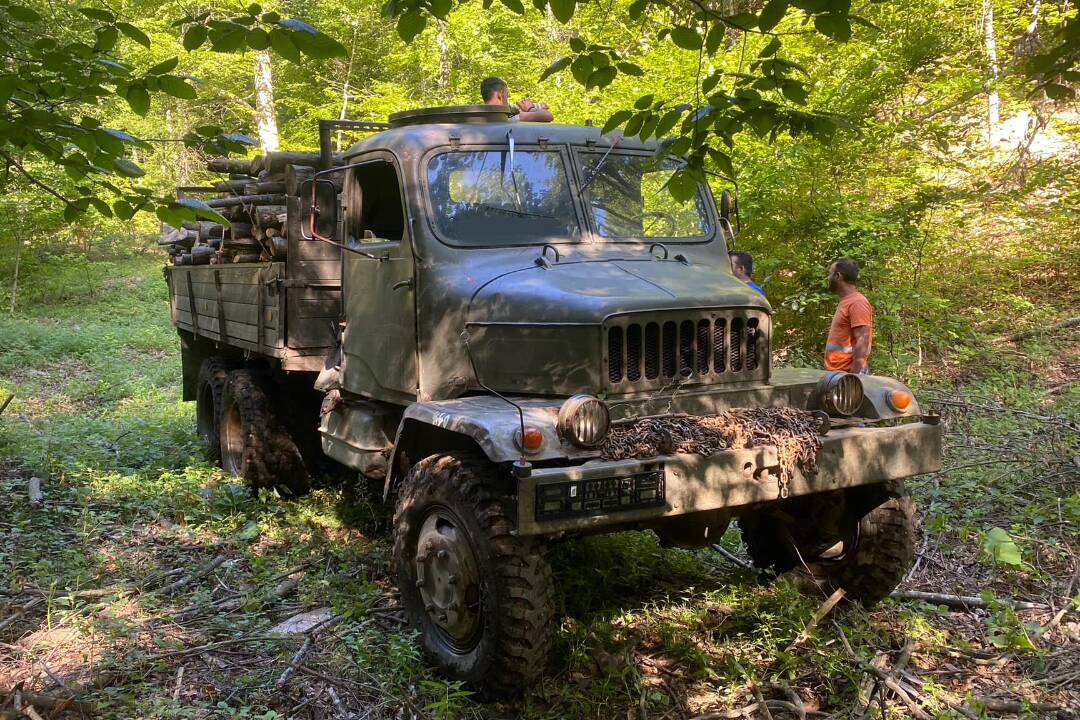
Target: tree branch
point(12, 162)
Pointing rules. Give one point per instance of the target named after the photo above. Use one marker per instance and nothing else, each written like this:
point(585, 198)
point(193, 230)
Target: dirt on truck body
point(518, 336)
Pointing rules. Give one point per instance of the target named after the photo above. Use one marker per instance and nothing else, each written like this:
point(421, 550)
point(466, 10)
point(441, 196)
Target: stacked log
point(252, 199)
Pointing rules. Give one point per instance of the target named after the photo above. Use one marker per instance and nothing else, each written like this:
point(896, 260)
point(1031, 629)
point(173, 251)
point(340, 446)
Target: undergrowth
point(132, 507)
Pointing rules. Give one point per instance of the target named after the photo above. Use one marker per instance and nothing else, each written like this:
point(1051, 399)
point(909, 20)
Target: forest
point(936, 142)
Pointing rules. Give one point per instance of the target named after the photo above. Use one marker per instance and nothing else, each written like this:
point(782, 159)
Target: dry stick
point(294, 662)
point(728, 714)
point(796, 700)
point(868, 685)
point(214, 564)
point(337, 701)
point(6, 403)
point(734, 558)
point(825, 609)
point(964, 602)
point(33, 491)
point(54, 703)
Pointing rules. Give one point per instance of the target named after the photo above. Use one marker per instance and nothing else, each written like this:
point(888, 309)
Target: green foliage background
point(961, 238)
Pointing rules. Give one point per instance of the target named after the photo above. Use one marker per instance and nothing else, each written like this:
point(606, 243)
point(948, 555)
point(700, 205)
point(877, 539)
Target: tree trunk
point(15, 281)
point(443, 83)
point(265, 117)
point(345, 87)
point(993, 103)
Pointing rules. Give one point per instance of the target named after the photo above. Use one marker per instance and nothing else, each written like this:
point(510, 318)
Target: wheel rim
point(232, 441)
point(448, 579)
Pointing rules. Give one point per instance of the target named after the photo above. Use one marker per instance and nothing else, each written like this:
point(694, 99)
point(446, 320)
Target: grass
point(132, 506)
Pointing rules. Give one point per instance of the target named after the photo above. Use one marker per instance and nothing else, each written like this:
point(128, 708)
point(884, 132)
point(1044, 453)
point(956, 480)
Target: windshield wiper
point(596, 170)
point(511, 211)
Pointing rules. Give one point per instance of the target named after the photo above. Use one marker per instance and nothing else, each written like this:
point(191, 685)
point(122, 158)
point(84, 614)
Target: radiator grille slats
point(665, 351)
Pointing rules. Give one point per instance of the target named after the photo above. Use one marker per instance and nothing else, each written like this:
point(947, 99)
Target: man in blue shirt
point(742, 265)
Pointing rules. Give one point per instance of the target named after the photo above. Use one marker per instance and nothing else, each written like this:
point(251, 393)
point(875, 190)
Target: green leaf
point(637, 9)
point(794, 91)
point(770, 49)
point(101, 206)
point(743, 21)
point(441, 8)
point(319, 45)
point(258, 39)
point(127, 168)
point(715, 38)
point(138, 98)
point(667, 122)
point(644, 102)
point(649, 126)
point(630, 68)
point(106, 37)
point(577, 45)
point(1001, 548)
point(283, 45)
point(772, 14)
point(123, 209)
point(555, 67)
point(271, 18)
point(723, 162)
point(194, 37)
point(411, 24)
point(762, 121)
point(1054, 91)
point(298, 25)
point(563, 10)
point(72, 212)
point(833, 25)
point(682, 185)
point(97, 14)
point(254, 9)
point(228, 40)
point(203, 211)
point(164, 67)
point(601, 77)
point(515, 6)
point(175, 86)
point(633, 126)
point(23, 14)
point(685, 37)
point(134, 33)
point(616, 120)
point(581, 68)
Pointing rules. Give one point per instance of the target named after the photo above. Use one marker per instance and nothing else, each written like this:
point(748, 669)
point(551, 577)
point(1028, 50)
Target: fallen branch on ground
point(825, 609)
point(963, 602)
point(1031, 332)
point(176, 585)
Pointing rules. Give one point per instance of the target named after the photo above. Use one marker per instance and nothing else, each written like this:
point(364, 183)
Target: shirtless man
point(495, 92)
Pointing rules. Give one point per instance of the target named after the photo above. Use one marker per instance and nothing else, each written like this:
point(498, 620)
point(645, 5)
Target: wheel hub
point(448, 578)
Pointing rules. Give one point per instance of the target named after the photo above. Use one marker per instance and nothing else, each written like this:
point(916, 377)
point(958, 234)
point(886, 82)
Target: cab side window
point(372, 198)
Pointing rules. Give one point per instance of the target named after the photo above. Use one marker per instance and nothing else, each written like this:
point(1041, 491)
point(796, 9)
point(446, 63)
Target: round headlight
point(841, 393)
point(584, 420)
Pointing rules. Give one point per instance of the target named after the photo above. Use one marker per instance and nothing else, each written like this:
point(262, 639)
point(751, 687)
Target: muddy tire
point(867, 551)
point(209, 389)
point(254, 445)
point(481, 598)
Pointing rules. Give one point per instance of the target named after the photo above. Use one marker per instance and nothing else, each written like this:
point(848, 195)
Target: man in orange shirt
point(852, 329)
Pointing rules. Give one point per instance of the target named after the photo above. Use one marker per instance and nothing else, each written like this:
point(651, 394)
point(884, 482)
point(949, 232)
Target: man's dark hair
point(490, 86)
point(744, 260)
point(848, 269)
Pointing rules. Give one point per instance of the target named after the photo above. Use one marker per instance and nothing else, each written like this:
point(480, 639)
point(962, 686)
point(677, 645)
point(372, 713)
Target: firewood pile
point(253, 200)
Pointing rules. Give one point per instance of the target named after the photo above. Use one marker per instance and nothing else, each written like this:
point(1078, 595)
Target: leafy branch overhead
point(768, 98)
point(67, 69)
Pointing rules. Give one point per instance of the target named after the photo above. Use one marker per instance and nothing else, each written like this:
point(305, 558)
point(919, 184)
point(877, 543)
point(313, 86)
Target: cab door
point(379, 340)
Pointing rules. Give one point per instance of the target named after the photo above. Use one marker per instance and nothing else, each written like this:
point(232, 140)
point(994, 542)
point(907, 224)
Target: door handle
point(408, 283)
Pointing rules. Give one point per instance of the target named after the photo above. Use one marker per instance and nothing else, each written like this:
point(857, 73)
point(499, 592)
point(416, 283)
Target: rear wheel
point(255, 446)
point(862, 540)
point(208, 391)
point(482, 598)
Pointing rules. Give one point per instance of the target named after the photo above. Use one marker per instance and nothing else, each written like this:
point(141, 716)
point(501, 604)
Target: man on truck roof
point(852, 329)
point(495, 92)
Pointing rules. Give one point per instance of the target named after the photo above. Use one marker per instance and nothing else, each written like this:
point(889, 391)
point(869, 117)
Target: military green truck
point(518, 336)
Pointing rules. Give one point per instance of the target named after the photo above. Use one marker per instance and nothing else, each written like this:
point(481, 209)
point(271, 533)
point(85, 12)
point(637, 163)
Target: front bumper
point(626, 492)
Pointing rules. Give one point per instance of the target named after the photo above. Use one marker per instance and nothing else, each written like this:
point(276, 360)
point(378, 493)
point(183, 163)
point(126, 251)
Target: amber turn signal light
point(531, 440)
point(899, 400)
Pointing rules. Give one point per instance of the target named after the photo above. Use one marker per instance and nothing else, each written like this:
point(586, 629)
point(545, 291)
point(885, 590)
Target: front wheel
point(861, 540)
point(481, 598)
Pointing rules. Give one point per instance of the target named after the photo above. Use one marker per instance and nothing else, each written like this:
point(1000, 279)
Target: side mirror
point(729, 216)
point(319, 208)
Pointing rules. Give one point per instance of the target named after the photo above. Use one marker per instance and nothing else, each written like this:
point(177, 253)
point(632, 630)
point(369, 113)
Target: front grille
point(703, 348)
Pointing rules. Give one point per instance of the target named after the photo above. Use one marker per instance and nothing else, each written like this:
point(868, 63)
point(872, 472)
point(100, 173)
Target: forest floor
point(145, 583)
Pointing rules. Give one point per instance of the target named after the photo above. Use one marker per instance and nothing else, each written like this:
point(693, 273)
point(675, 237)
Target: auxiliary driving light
point(899, 400)
point(841, 393)
point(584, 420)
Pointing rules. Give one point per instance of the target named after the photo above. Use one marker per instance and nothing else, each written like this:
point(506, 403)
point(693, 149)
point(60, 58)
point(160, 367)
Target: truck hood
point(587, 291)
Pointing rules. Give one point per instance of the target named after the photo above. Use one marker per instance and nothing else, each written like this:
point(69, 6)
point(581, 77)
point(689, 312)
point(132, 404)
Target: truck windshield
point(627, 197)
point(484, 198)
